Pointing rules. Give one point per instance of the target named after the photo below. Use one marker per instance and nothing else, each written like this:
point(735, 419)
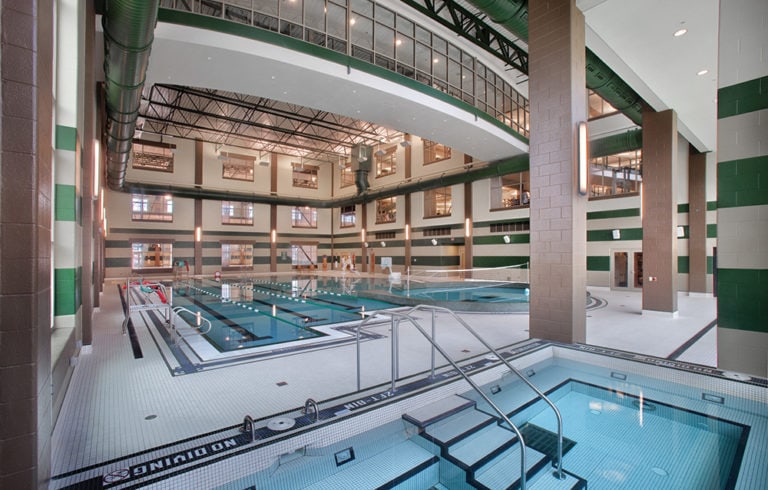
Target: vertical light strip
point(198, 234)
point(407, 232)
point(362, 235)
point(105, 227)
point(467, 227)
point(96, 165)
point(583, 160)
point(274, 236)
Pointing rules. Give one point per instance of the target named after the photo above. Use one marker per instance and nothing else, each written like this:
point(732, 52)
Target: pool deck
point(118, 405)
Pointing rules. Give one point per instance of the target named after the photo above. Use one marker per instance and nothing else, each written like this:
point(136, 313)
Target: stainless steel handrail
point(196, 329)
point(541, 395)
point(147, 305)
point(311, 403)
point(395, 326)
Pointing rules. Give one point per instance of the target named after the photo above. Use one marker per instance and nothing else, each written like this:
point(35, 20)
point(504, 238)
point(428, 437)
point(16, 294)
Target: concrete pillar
point(659, 211)
point(408, 221)
point(697, 222)
point(558, 213)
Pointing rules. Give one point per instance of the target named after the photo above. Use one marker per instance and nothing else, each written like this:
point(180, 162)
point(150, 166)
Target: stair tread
point(450, 428)
point(438, 410)
point(476, 446)
point(504, 470)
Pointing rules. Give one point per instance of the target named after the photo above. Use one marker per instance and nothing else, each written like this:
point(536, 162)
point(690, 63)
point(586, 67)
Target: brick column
point(25, 241)
point(659, 211)
point(697, 222)
point(558, 212)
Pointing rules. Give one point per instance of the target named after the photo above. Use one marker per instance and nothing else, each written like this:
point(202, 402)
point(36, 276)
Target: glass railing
point(373, 33)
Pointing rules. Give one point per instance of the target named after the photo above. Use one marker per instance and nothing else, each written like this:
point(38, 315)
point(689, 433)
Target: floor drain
point(150, 417)
point(659, 471)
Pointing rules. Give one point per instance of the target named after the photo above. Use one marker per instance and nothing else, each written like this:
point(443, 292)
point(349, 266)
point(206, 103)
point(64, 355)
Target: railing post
point(433, 345)
point(395, 360)
point(358, 359)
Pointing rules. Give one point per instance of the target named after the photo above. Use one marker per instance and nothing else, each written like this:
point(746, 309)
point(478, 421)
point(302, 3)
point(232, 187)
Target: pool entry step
point(479, 451)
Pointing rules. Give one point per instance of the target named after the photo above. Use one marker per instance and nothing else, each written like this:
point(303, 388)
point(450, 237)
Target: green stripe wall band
point(599, 263)
point(616, 213)
point(742, 98)
point(65, 138)
point(742, 182)
point(66, 296)
point(65, 203)
point(743, 299)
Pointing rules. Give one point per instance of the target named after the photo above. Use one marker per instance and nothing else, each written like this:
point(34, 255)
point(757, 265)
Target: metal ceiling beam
point(471, 27)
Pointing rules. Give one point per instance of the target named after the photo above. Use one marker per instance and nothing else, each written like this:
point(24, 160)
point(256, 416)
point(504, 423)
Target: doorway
point(627, 269)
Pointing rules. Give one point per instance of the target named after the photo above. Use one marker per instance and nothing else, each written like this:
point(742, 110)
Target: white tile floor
point(117, 405)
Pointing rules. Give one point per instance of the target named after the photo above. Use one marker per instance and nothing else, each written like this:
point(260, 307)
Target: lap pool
point(629, 421)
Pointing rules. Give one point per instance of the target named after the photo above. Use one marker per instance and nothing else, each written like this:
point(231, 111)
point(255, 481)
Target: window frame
point(302, 169)
point(245, 246)
point(166, 152)
point(296, 221)
point(231, 160)
point(388, 215)
point(139, 259)
point(237, 220)
point(429, 150)
point(432, 206)
point(146, 205)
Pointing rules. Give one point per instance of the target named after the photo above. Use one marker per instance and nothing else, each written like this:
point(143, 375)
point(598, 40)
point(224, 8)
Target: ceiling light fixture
point(680, 32)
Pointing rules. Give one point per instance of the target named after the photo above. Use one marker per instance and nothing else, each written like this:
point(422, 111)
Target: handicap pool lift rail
point(396, 317)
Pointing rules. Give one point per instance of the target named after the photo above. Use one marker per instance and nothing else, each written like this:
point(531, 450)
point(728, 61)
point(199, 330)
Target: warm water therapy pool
point(630, 422)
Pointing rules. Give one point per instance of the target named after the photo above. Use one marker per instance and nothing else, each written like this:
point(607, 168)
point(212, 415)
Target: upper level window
point(153, 155)
point(598, 107)
point(386, 161)
point(151, 208)
point(348, 216)
point(347, 175)
point(237, 167)
point(511, 190)
point(304, 217)
point(236, 213)
point(305, 176)
point(386, 210)
point(151, 255)
point(616, 175)
point(435, 152)
point(437, 202)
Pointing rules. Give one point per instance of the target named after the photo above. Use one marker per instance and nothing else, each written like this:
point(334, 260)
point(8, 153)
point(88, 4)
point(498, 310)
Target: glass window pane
point(385, 16)
point(361, 31)
point(404, 50)
point(364, 7)
point(337, 21)
point(314, 15)
point(291, 10)
point(404, 26)
point(423, 58)
point(385, 41)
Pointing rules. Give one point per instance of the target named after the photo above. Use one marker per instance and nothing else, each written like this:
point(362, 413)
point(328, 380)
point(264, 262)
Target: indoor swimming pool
point(629, 421)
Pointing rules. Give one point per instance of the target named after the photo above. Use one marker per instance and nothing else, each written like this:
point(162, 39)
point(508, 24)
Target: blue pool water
point(245, 314)
point(615, 438)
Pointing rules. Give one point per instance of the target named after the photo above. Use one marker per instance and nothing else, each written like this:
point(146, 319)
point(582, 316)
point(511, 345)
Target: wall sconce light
point(407, 232)
point(434, 241)
point(405, 143)
point(467, 227)
point(616, 234)
point(105, 227)
point(583, 159)
point(198, 234)
point(274, 236)
point(680, 232)
point(365, 244)
point(362, 235)
point(383, 243)
point(507, 239)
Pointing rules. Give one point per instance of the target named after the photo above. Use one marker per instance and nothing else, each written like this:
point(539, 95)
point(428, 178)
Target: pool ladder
point(396, 317)
point(312, 404)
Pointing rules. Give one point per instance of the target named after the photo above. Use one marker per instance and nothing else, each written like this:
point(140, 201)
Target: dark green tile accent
point(117, 262)
point(260, 260)
point(496, 261)
point(212, 261)
point(436, 261)
point(682, 208)
point(710, 264)
point(598, 263)
point(683, 265)
point(242, 30)
point(499, 239)
point(79, 288)
point(65, 295)
point(607, 235)
point(452, 226)
point(742, 98)
point(711, 205)
point(145, 231)
point(742, 301)
point(615, 213)
point(441, 241)
point(66, 138)
point(65, 203)
point(712, 230)
point(742, 182)
point(487, 224)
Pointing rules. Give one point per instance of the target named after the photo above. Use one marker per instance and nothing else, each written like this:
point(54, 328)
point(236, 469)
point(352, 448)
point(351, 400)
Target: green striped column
point(67, 216)
point(742, 188)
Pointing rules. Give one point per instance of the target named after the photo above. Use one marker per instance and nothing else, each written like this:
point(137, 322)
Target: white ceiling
point(635, 38)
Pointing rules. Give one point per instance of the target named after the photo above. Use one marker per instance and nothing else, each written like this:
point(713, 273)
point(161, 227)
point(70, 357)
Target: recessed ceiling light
point(680, 32)
point(702, 72)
